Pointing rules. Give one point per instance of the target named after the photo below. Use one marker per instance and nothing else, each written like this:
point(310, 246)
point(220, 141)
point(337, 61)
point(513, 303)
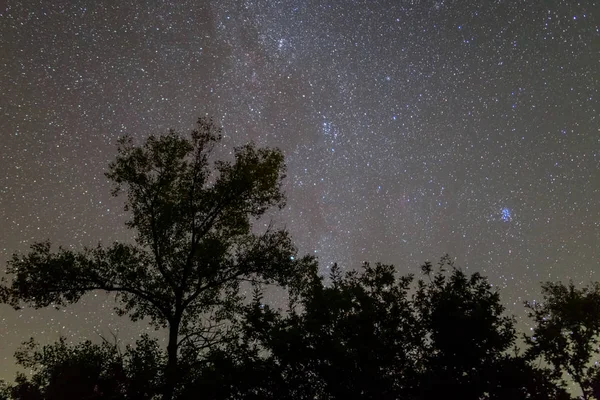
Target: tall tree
point(566, 333)
point(194, 242)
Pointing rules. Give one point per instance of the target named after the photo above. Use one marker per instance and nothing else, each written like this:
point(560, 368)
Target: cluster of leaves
point(567, 328)
point(88, 371)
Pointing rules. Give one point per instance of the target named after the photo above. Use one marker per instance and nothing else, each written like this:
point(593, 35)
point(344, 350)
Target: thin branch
point(256, 281)
point(207, 286)
point(114, 343)
point(235, 275)
point(211, 329)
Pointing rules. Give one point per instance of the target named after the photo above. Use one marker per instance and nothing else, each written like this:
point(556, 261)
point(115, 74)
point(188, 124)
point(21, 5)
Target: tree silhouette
point(468, 338)
point(85, 371)
point(194, 242)
point(88, 371)
point(367, 334)
point(351, 339)
point(465, 329)
point(375, 335)
point(566, 333)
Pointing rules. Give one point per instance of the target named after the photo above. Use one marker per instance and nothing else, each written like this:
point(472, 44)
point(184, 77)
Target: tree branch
point(236, 273)
point(212, 331)
point(155, 242)
point(110, 288)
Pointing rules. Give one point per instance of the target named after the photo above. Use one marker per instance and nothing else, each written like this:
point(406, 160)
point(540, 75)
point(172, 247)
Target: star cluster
point(411, 129)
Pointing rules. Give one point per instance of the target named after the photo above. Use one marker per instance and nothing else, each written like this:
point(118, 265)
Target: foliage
point(465, 329)
point(194, 241)
point(89, 371)
point(566, 333)
point(374, 335)
point(367, 334)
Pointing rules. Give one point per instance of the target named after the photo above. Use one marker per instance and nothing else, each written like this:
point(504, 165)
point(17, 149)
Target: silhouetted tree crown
point(567, 327)
point(372, 334)
point(89, 371)
point(368, 334)
point(193, 247)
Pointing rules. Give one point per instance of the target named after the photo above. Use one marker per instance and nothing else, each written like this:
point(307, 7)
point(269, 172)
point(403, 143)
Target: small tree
point(88, 371)
point(469, 339)
point(566, 332)
point(372, 334)
point(353, 338)
point(194, 244)
point(6, 391)
point(84, 371)
point(466, 330)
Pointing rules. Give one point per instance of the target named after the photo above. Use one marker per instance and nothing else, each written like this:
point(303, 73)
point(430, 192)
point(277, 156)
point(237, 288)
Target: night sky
point(411, 129)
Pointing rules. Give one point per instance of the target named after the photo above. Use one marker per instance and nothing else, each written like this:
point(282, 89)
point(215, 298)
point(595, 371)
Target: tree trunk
point(171, 369)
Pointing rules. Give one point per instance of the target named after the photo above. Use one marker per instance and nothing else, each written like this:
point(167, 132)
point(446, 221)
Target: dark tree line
point(366, 334)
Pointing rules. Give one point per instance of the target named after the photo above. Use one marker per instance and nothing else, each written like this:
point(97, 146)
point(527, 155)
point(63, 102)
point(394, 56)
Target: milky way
point(411, 129)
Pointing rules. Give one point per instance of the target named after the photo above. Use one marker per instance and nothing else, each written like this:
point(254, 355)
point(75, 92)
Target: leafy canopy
point(566, 333)
point(194, 243)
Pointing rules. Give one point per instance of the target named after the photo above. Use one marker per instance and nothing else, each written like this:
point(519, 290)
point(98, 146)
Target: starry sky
point(411, 129)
